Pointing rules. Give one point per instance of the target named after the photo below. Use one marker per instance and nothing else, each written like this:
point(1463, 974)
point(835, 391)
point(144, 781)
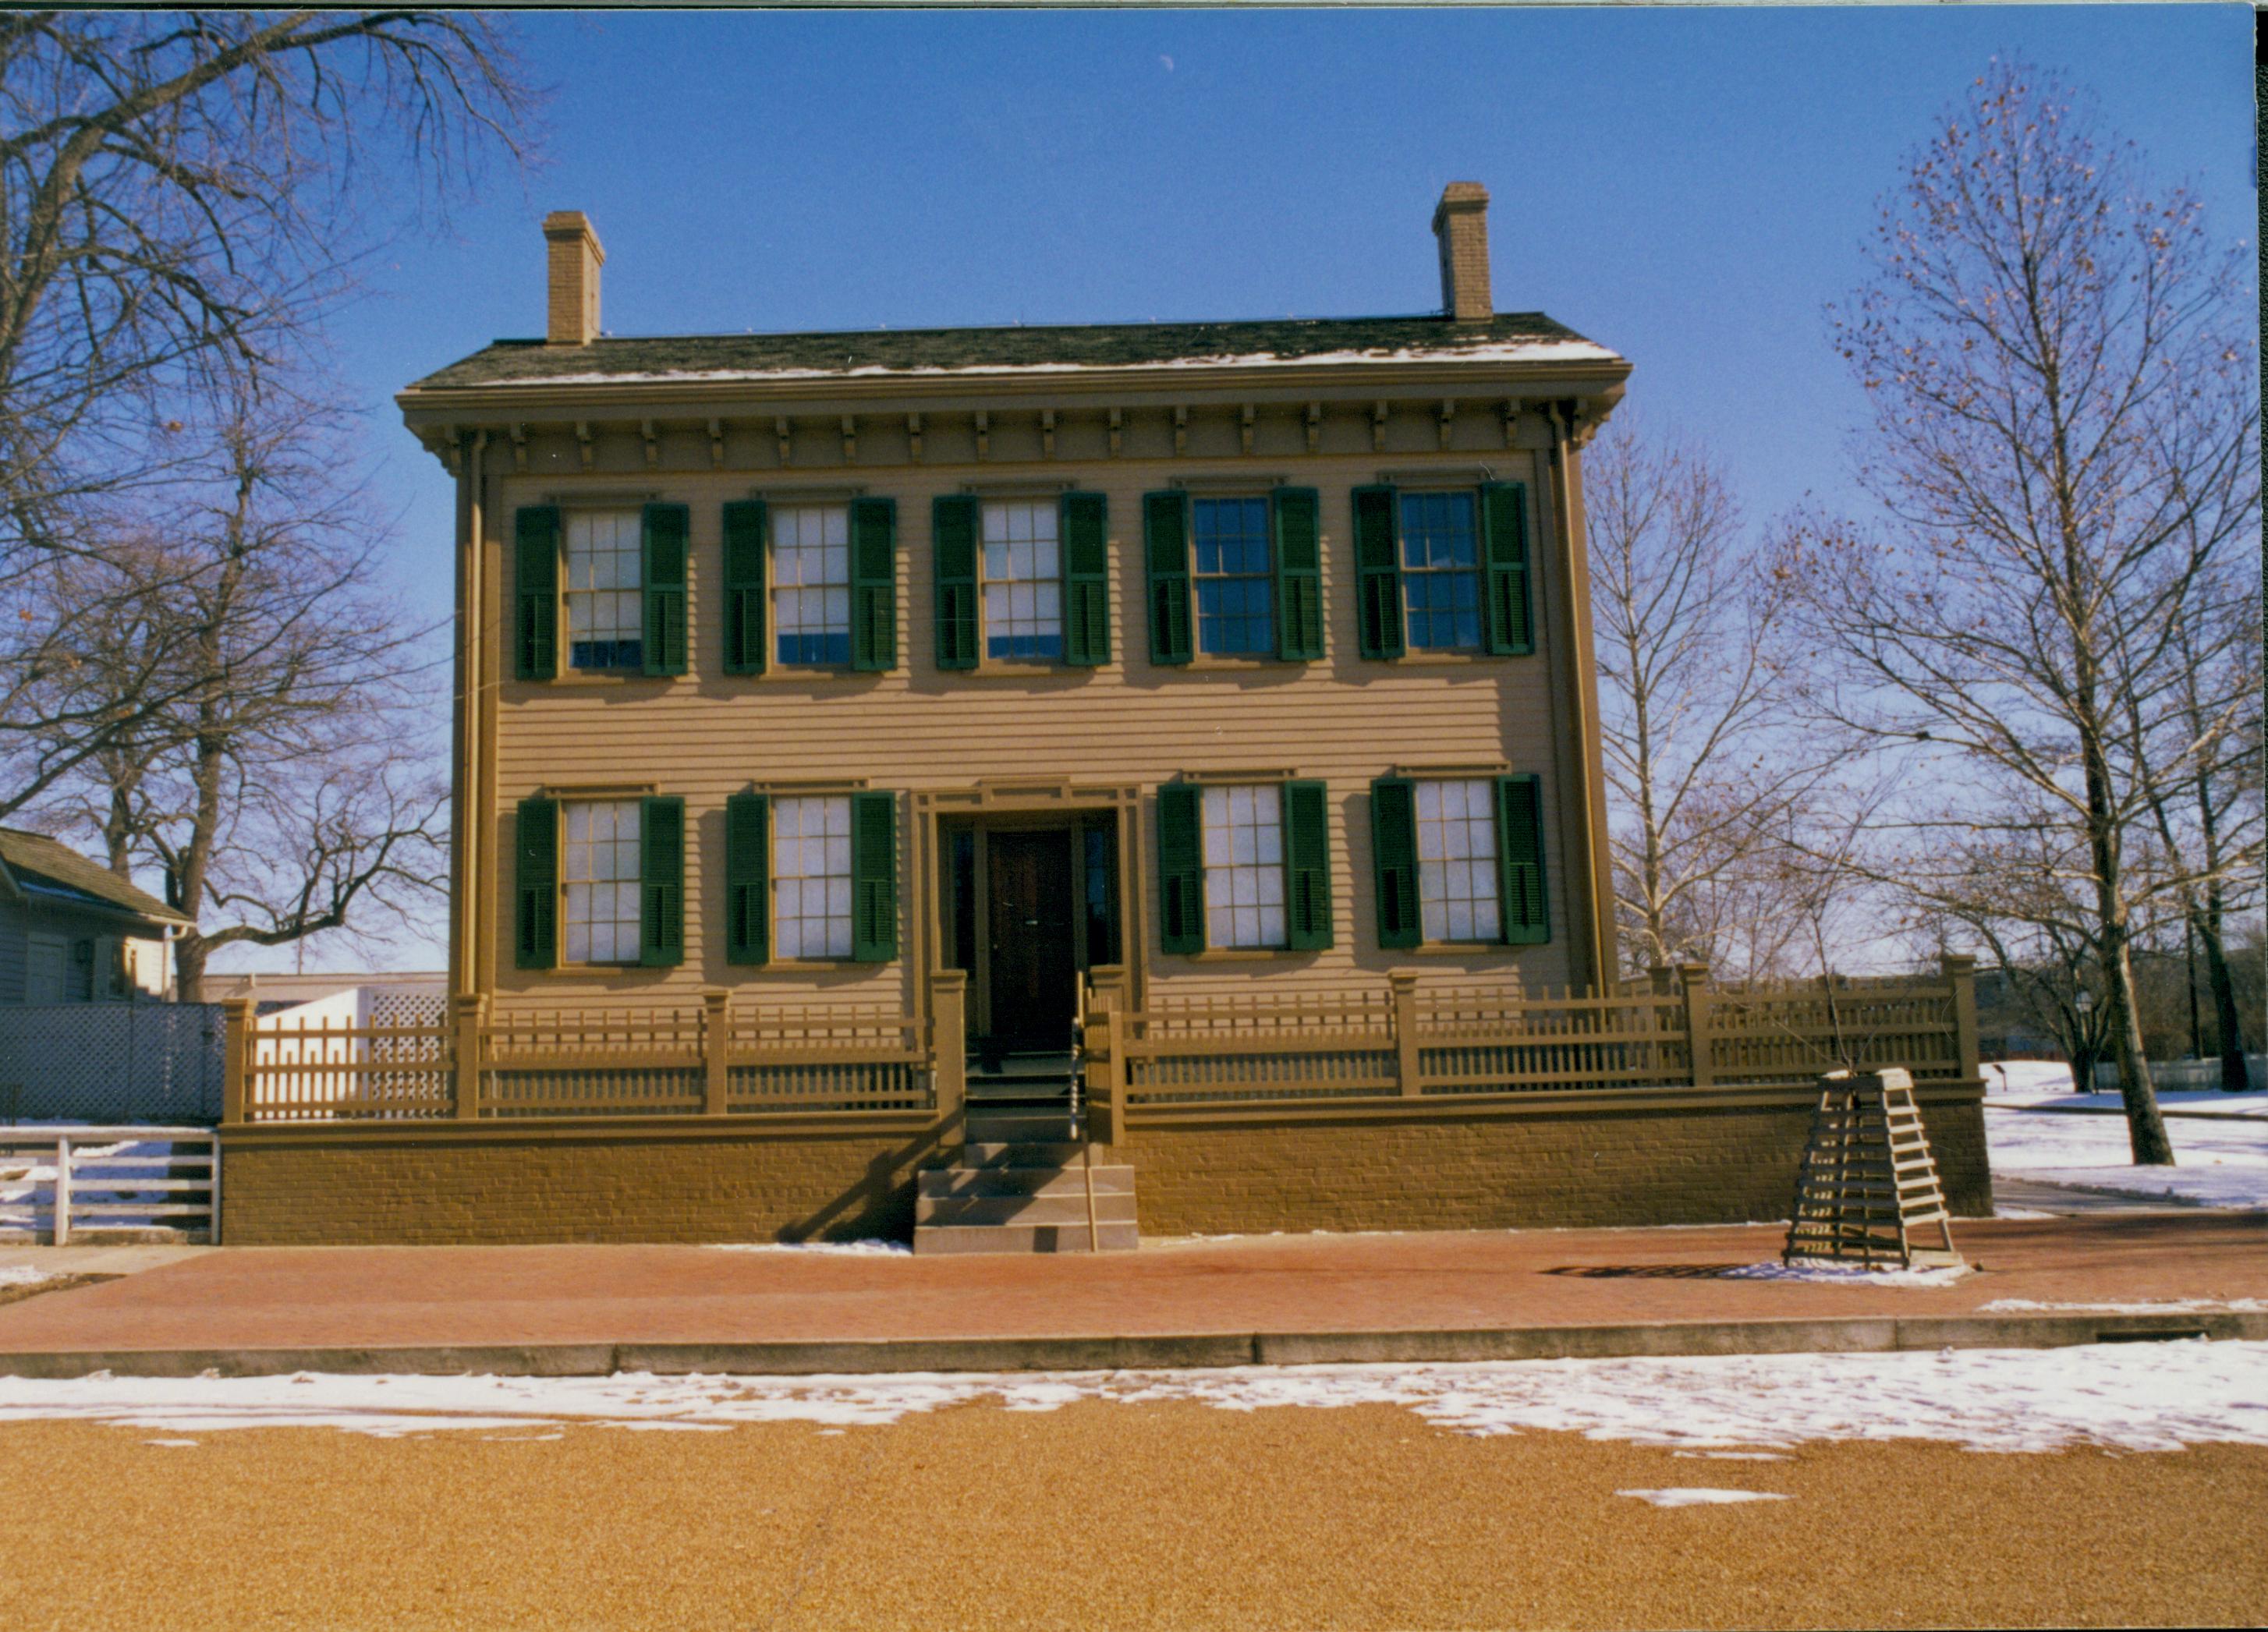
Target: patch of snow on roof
point(1514, 352)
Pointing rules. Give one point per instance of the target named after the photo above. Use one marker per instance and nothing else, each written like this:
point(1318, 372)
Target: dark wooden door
point(1034, 973)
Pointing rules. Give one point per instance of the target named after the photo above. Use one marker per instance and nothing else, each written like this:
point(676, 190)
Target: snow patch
point(2158, 1306)
point(2153, 1397)
point(1695, 1495)
point(848, 1249)
point(26, 1275)
point(2221, 1162)
point(1850, 1275)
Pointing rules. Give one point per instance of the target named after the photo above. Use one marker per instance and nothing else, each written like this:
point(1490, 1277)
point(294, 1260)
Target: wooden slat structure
point(1868, 1182)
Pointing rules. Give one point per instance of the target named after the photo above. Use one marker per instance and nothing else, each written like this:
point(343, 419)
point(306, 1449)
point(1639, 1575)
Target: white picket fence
point(57, 1181)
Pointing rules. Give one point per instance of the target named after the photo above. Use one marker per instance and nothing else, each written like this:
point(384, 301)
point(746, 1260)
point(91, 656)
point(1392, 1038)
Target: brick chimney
point(571, 311)
point(1461, 225)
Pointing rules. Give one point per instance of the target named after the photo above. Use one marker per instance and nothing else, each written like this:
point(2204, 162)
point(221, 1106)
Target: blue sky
point(1689, 186)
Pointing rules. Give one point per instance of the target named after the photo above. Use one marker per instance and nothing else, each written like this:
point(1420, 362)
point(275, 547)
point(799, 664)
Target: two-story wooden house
point(964, 684)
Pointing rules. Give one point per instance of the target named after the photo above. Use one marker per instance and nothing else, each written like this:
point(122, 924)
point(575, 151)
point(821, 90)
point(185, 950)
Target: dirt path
point(1099, 1516)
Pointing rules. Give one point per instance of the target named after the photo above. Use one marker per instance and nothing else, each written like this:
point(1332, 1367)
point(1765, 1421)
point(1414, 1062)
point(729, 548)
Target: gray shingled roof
point(1087, 345)
point(37, 860)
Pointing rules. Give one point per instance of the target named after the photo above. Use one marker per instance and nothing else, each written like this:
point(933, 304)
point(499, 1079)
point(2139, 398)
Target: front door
point(1034, 973)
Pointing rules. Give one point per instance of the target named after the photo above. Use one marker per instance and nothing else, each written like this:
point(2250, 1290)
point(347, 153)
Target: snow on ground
point(852, 1249)
point(2026, 1077)
point(1694, 1495)
point(2141, 1397)
point(1848, 1274)
point(2220, 1162)
point(24, 1275)
point(2150, 1305)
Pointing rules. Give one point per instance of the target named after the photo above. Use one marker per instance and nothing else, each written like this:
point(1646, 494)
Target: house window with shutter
point(1456, 861)
point(603, 875)
point(1440, 572)
point(1244, 866)
point(1233, 577)
point(1023, 582)
point(812, 877)
point(605, 603)
point(810, 584)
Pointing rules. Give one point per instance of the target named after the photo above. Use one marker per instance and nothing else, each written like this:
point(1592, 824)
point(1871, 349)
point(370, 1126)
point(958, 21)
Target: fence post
point(715, 1050)
point(235, 1060)
point(471, 1013)
point(1695, 978)
point(1099, 1049)
point(1404, 985)
point(62, 1192)
point(1961, 974)
point(948, 1040)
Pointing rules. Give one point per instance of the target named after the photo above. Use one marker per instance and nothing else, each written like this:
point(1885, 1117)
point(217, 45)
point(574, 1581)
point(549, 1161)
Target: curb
point(1861, 1334)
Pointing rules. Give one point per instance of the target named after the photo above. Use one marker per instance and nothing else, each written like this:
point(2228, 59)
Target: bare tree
point(2063, 447)
point(183, 197)
point(293, 780)
point(1692, 700)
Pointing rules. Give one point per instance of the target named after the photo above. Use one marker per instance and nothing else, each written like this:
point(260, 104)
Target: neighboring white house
point(73, 931)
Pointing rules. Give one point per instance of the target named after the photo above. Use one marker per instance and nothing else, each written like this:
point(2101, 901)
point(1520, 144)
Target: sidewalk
point(1471, 1296)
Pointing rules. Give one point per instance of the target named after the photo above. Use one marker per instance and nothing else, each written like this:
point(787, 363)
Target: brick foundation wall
point(1590, 1167)
point(1662, 1164)
point(520, 1187)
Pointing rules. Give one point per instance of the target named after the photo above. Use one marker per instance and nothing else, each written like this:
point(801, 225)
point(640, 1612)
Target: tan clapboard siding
point(1345, 721)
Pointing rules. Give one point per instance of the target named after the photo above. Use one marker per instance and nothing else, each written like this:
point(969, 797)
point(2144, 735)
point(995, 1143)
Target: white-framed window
point(1244, 866)
point(1023, 580)
point(1440, 571)
point(1456, 861)
point(602, 873)
point(605, 589)
point(811, 877)
point(810, 584)
point(1231, 570)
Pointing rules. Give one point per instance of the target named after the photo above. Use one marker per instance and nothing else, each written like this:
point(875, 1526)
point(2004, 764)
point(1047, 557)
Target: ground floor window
point(1244, 866)
point(811, 877)
point(602, 879)
point(1456, 861)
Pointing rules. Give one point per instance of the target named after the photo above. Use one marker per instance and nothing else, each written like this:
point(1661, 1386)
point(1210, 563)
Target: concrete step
point(1017, 1092)
point(934, 1210)
point(1116, 1238)
point(1003, 1127)
point(1020, 1153)
point(1071, 1180)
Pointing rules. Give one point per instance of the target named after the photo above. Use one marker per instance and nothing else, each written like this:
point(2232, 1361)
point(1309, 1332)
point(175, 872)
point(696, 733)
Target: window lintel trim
point(1237, 778)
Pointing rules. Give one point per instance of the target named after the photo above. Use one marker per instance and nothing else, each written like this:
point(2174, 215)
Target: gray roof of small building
point(1509, 337)
point(55, 874)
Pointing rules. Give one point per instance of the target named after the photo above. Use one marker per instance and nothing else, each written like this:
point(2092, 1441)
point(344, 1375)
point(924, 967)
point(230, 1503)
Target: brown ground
point(1100, 1515)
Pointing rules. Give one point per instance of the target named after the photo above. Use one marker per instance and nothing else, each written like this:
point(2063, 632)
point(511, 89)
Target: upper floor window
point(1234, 577)
point(810, 584)
point(1440, 572)
point(1023, 581)
point(606, 602)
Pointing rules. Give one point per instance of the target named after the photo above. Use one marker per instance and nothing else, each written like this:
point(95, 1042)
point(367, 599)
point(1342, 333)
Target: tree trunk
point(2145, 1127)
point(2230, 1026)
point(189, 968)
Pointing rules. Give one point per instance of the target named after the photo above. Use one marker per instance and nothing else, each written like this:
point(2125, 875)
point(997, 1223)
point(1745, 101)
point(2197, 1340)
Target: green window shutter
point(1394, 857)
point(874, 584)
point(1086, 579)
point(1519, 860)
point(535, 593)
point(1166, 558)
point(661, 882)
point(873, 877)
point(748, 879)
point(1181, 867)
point(1504, 537)
point(663, 536)
point(953, 544)
point(1299, 576)
point(535, 881)
point(1378, 572)
point(744, 587)
point(1308, 864)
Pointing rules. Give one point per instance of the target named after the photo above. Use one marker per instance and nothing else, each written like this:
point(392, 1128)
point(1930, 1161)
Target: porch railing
point(691, 1060)
point(1411, 1041)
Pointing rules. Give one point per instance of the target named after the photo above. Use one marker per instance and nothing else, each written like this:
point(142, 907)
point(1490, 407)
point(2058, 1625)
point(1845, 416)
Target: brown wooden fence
point(1414, 1041)
point(1405, 1041)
